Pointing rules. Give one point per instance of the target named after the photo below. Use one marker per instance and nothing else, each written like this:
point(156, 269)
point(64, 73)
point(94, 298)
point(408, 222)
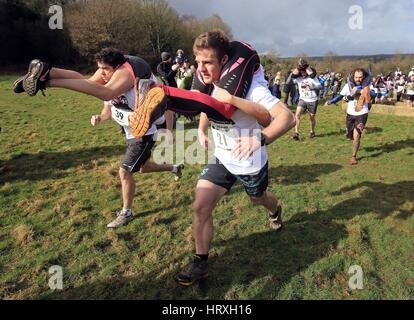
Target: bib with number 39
point(120, 116)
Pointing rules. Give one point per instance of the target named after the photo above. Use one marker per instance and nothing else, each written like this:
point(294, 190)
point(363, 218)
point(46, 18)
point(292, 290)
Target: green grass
point(59, 188)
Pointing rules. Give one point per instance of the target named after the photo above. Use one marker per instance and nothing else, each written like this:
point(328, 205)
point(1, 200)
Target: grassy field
point(59, 188)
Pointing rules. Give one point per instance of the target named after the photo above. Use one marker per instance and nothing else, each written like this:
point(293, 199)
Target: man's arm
point(249, 107)
point(202, 131)
point(97, 77)
point(334, 100)
point(343, 94)
point(105, 115)
point(315, 84)
point(169, 120)
point(282, 121)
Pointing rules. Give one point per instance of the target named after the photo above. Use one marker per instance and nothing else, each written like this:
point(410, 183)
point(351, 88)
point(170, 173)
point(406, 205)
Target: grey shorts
point(311, 107)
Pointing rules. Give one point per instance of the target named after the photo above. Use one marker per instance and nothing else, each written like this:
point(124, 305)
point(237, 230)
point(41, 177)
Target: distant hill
point(375, 58)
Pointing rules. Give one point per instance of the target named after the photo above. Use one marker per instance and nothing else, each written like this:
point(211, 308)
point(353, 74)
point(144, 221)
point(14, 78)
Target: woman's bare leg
point(57, 73)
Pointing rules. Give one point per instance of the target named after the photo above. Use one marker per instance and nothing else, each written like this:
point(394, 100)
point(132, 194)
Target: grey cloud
point(315, 27)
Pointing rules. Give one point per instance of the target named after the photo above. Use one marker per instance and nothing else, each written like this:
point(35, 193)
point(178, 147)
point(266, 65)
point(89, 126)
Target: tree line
point(384, 64)
point(139, 27)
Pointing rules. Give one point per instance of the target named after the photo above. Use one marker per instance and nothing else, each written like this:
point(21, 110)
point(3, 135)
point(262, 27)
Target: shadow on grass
point(370, 130)
point(52, 165)
point(342, 132)
point(269, 261)
point(297, 174)
point(390, 147)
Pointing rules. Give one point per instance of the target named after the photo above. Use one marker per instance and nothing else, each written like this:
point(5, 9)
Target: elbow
point(106, 96)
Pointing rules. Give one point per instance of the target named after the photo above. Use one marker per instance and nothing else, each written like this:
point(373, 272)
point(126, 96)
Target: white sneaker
point(121, 220)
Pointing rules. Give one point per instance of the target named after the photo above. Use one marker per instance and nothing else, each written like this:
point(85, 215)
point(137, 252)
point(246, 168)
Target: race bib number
point(308, 94)
point(224, 136)
point(120, 116)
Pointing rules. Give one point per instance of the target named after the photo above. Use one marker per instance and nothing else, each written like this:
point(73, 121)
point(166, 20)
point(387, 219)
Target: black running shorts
point(137, 153)
point(355, 122)
point(254, 185)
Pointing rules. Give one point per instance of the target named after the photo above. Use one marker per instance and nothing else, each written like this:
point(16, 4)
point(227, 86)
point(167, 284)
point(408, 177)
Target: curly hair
point(111, 56)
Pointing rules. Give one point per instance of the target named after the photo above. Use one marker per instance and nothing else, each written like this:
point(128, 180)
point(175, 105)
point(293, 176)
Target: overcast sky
point(293, 27)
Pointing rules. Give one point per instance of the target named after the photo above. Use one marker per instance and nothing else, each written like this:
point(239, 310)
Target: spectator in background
point(321, 80)
point(276, 85)
point(186, 74)
point(180, 58)
point(400, 86)
point(167, 71)
point(409, 89)
point(374, 89)
point(337, 84)
point(290, 90)
point(183, 72)
point(383, 92)
point(390, 85)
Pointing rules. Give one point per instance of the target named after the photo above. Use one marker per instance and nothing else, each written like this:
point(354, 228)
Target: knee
point(201, 208)
point(123, 174)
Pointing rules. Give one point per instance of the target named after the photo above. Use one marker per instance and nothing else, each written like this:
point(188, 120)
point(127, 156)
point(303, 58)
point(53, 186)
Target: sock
point(126, 211)
point(273, 214)
point(203, 257)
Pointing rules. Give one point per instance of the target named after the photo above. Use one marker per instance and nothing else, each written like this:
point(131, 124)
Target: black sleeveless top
point(141, 68)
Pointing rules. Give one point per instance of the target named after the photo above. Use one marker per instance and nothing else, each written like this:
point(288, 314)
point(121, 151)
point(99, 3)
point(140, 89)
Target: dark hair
point(165, 56)
point(111, 56)
point(367, 77)
point(361, 70)
point(214, 39)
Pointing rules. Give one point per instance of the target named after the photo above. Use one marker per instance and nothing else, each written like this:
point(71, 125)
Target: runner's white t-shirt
point(410, 88)
point(307, 88)
point(400, 85)
point(225, 134)
point(351, 109)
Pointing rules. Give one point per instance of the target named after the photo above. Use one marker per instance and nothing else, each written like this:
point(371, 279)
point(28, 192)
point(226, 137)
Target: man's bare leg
point(299, 111)
point(355, 146)
point(312, 118)
point(270, 202)
point(207, 195)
